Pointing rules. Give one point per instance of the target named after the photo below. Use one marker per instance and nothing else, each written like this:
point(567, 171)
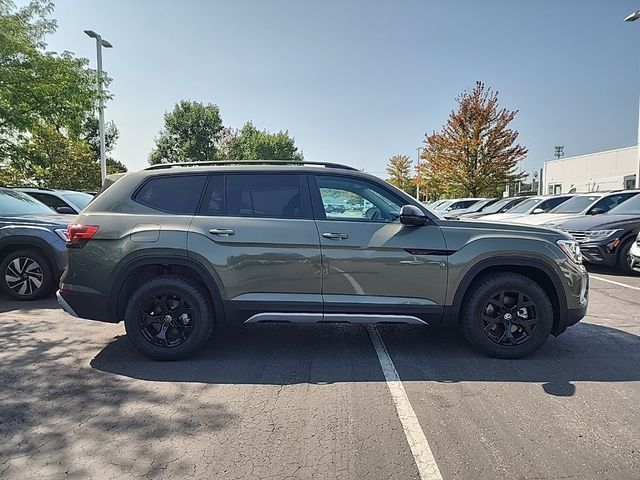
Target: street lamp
point(631, 18)
point(100, 42)
point(418, 175)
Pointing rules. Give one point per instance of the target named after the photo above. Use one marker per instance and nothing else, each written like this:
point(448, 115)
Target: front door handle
point(222, 232)
point(335, 236)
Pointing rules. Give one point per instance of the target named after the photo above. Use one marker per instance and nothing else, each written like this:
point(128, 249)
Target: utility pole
point(558, 151)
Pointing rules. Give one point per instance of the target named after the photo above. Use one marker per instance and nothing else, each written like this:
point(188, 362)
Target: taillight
point(79, 235)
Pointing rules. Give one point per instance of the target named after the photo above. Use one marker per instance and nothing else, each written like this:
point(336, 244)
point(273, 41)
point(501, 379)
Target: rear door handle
point(335, 236)
point(222, 232)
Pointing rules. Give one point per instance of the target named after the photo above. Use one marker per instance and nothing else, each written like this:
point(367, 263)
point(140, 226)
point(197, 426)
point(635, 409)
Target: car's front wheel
point(168, 318)
point(624, 258)
point(507, 315)
point(26, 275)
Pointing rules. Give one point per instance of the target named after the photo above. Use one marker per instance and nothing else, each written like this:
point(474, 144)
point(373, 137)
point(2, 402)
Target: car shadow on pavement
point(290, 354)
point(49, 398)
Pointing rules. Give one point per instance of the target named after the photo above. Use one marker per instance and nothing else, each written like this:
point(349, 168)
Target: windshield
point(575, 204)
point(478, 206)
point(17, 203)
point(524, 206)
point(79, 199)
point(629, 207)
point(443, 205)
point(496, 207)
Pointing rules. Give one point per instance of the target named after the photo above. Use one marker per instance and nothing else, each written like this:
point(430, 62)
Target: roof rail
point(161, 166)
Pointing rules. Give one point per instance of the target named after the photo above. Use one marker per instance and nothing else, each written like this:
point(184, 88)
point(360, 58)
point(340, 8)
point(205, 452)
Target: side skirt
point(292, 317)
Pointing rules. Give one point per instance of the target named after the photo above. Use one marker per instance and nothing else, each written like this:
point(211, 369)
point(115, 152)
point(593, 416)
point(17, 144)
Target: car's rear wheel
point(624, 258)
point(168, 318)
point(507, 315)
point(26, 275)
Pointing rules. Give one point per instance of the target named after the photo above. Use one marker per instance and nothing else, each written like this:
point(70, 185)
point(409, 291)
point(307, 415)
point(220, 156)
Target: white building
point(601, 171)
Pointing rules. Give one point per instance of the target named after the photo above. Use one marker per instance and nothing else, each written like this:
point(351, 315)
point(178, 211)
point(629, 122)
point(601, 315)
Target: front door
point(372, 264)
point(257, 234)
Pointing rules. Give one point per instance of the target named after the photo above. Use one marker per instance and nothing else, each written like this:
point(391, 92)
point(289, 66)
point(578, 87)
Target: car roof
point(45, 190)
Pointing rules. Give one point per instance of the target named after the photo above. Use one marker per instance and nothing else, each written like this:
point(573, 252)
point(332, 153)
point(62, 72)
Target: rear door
point(372, 264)
point(256, 233)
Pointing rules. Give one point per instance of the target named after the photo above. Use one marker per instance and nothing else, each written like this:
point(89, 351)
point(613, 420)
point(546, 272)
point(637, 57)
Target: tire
point(623, 264)
point(26, 275)
point(155, 318)
point(507, 331)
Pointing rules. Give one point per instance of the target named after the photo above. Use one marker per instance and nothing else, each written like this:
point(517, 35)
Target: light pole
point(418, 175)
point(631, 18)
point(100, 42)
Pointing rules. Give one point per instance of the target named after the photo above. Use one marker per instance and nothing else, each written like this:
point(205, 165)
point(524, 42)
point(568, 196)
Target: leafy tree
point(44, 98)
point(399, 171)
point(49, 158)
point(190, 134)
point(476, 152)
point(91, 134)
point(249, 143)
point(37, 86)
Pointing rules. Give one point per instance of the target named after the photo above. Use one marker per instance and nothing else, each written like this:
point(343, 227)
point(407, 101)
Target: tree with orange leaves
point(476, 152)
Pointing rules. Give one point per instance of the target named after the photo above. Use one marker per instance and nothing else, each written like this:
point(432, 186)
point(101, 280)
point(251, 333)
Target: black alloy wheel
point(166, 320)
point(509, 318)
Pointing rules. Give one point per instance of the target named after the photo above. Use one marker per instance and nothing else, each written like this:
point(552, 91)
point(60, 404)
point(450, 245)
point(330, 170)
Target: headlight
point(595, 235)
point(62, 233)
point(571, 249)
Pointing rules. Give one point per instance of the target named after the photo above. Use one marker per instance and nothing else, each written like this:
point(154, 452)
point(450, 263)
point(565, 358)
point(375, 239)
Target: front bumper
point(599, 254)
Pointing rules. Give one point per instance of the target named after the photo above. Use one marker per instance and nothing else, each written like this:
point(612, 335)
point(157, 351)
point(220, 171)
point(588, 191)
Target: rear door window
point(178, 194)
point(267, 196)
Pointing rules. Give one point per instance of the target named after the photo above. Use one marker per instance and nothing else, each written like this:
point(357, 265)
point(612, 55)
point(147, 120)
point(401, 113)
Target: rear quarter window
point(178, 194)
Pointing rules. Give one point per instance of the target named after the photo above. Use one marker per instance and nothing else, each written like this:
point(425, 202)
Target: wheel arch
point(537, 270)
point(139, 269)
point(25, 242)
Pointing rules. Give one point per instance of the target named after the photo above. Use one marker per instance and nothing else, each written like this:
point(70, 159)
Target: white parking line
point(614, 282)
point(426, 463)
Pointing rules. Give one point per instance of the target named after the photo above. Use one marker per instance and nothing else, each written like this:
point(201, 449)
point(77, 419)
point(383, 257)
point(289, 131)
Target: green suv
point(175, 250)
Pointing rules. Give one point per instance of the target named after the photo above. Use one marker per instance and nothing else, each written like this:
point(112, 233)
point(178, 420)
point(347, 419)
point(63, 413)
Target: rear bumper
point(85, 305)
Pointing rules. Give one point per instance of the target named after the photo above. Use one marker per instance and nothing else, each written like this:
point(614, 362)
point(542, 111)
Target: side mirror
point(67, 210)
point(597, 211)
point(412, 215)
point(537, 211)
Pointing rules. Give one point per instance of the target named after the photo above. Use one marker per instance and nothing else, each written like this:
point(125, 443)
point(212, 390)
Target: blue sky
point(358, 81)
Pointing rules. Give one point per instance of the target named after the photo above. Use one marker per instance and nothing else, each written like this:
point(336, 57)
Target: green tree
point(399, 171)
point(36, 86)
point(44, 99)
point(91, 134)
point(476, 152)
point(190, 134)
point(249, 143)
point(49, 158)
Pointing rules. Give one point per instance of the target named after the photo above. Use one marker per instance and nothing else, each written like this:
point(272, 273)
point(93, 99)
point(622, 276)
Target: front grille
point(578, 236)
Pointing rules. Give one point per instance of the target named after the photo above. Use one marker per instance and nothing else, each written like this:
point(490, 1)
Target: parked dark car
point(32, 245)
point(607, 239)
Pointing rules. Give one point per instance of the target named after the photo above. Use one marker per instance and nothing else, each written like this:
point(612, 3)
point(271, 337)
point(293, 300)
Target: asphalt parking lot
point(284, 401)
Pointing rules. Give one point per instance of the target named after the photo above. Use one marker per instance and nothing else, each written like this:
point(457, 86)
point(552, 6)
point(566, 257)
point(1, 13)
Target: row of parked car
point(605, 224)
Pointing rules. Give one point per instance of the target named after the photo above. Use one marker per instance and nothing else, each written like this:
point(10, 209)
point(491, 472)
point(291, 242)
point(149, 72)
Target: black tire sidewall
point(173, 285)
point(623, 261)
point(47, 274)
point(482, 291)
